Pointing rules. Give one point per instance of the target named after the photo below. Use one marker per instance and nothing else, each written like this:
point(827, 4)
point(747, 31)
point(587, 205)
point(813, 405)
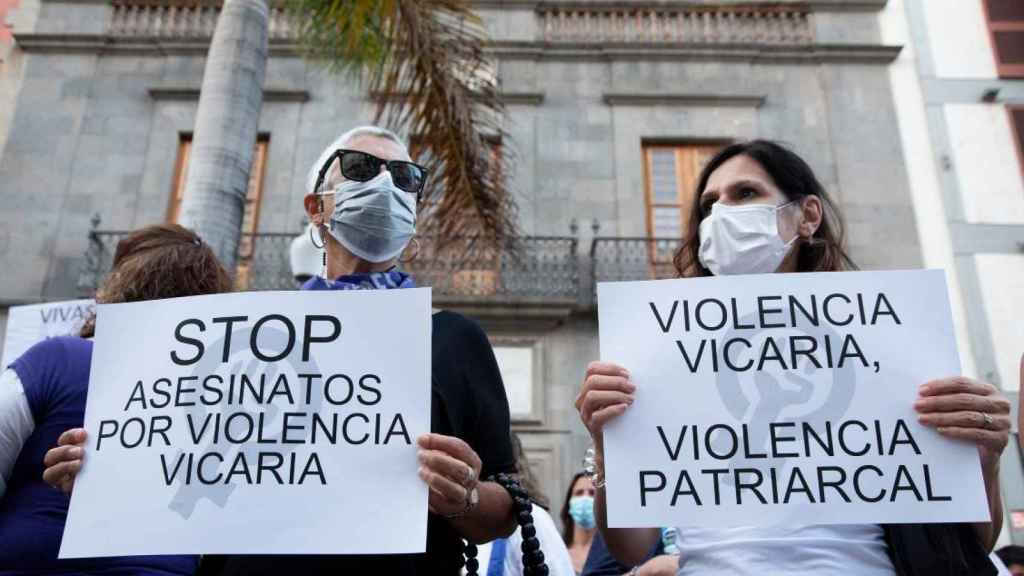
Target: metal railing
point(618, 259)
point(530, 269)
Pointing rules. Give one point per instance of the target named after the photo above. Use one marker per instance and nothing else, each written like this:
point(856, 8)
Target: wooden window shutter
point(1006, 30)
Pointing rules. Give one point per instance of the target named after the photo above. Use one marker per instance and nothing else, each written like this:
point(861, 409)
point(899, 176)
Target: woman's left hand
point(969, 410)
point(451, 470)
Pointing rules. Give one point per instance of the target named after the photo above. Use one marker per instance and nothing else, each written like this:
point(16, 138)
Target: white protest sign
point(29, 324)
point(783, 399)
point(256, 423)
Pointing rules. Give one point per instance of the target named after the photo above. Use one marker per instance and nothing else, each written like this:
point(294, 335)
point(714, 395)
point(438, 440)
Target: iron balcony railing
point(617, 259)
point(545, 270)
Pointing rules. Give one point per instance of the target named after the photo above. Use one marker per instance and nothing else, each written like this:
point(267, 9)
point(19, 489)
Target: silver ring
point(988, 420)
point(470, 477)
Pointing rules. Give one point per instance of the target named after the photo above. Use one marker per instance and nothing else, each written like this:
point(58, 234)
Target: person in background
point(504, 556)
point(43, 393)
point(759, 208)
point(361, 197)
point(1013, 558)
point(577, 515)
point(305, 258)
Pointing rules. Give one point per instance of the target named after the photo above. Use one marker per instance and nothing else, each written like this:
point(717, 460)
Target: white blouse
point(834, 550)
point(16, 424)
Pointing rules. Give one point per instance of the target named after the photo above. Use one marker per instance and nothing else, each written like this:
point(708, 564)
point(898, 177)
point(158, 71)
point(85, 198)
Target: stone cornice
point(107, 44)
point(191, 92)
point(797, 54)
point(523, 98)
point(681, 99)
point(562, 51)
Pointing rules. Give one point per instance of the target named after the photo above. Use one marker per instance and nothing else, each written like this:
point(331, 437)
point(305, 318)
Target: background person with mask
point(758, 209)
point(361, 197)
point(578, 524)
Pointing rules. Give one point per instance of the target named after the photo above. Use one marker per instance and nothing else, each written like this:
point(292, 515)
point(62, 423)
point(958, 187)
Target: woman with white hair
point(361, 200)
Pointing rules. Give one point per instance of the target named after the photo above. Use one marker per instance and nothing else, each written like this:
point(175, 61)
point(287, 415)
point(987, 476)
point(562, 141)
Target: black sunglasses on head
point(362, 167)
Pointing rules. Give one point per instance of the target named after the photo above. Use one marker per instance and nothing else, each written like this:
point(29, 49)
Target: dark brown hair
point(825, 251)
point(567, 522)
point(162, 261)
point(526, 478)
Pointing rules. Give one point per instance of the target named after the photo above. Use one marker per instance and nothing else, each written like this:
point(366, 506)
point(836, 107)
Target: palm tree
point(424, 62)
point(422, 59)
point(226, 123)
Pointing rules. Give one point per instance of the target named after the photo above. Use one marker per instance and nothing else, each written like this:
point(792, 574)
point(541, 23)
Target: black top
point(600, 561)
point(468, 401)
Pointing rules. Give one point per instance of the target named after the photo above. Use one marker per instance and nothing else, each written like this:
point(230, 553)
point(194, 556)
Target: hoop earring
point(415, 255)
point(313, 239)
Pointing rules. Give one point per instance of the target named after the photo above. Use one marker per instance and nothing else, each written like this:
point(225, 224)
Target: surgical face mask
point(742, 239)
point(374, 219)
point(581, 508)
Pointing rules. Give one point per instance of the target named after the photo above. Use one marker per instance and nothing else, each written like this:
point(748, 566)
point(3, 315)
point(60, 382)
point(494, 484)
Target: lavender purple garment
point(55, 376)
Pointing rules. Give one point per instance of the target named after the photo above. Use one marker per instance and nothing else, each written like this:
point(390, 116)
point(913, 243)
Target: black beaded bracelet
point(533, 556)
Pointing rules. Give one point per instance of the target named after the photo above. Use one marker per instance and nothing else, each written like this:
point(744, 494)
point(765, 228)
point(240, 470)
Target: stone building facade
point(612, 107)
point(960, 106)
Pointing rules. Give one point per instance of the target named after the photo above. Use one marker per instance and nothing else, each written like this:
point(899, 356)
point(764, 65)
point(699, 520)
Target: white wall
point(929, 212)
point(1002, 284)
point(958, 37)
point(987, 164)
point(516, 366)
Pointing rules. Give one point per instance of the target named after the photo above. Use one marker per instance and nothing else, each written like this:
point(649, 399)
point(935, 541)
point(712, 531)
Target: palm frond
point(346, 35)
point(425, 64)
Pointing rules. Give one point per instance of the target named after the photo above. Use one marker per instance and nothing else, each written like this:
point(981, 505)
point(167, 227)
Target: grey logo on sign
point(773, 396)
point(188, 495)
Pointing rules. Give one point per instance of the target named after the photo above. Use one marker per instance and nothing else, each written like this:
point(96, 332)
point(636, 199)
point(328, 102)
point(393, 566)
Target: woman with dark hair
point(43, 393)
point(577, 516)
point(759, 209)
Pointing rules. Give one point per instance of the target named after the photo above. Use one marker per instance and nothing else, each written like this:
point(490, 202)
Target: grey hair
point(342, 142)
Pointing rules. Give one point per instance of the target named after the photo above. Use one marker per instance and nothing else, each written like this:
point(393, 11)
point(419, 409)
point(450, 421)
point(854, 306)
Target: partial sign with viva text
point(29, 324)
point(256, 423)
point(783, 399)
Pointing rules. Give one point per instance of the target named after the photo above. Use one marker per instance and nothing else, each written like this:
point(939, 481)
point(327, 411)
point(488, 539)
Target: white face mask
point(742, 239)
point(375, 219)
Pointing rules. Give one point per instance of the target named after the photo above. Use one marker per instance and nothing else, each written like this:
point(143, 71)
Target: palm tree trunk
point(226, 125)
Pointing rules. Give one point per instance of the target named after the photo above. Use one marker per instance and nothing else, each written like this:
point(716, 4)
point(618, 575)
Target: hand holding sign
point(451, 469)
point(606, 393)
point(969, 410)
point(965, 409)
point(65, 460)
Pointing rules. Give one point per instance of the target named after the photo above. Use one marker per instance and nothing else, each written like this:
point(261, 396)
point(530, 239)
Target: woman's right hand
point(65, 460)
point(606, 393)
